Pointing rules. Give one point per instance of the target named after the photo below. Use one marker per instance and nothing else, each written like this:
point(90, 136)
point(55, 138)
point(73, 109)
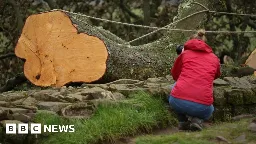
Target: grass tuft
point(140, 112)
point(230, 131)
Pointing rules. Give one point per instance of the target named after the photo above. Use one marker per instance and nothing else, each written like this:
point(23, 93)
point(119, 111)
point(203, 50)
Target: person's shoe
point(196, 124)
point(184, 125)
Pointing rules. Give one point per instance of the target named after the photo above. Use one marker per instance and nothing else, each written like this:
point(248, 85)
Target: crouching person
point(194, 72)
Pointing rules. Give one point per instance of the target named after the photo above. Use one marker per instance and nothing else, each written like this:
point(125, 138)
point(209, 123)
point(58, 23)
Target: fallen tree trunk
point(61, 47)
point(123, 61)
point(57, 52)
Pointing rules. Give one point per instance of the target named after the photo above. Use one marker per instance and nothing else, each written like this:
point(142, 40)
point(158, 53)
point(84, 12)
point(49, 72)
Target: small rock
point(4, 122)
point(77, 96)
point(18, 101)
point(240, 139)
point(220, 82)
point(85, 86)
point(166, 89)
point(52, 106)
point(46, 95)
point(169, 78)
point(63, 90)
point(55, 94)
point(67, 98)
point(252, 127)
point(3, 104)
point(221, 138)
point(152, 85)
point(47, 111)
point(103, 95)
point(85, 92)
point(118, 96)
point(125, 81)
point(14, 96)
point(3, 115)
point(125, 89)
point(31, 115)
point(15, 110)
point(78, 110)
point(239, 117)
point(96, 93)
point(21, 117)
point(29, 101)
point(153, 80)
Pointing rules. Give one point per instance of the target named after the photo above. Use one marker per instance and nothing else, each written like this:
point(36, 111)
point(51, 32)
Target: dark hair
point(179, 49)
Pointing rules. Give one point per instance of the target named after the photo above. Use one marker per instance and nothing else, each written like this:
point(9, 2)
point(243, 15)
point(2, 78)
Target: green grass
point(140, 112)
point(230, 131)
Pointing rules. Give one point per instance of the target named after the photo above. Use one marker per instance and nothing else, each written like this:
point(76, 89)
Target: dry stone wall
point(232, 96)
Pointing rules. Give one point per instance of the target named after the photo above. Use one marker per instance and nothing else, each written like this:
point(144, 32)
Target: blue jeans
point(184, 108)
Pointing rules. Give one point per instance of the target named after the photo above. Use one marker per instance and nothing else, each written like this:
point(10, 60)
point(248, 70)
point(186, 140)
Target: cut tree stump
point(59, 49)
point(57, 54)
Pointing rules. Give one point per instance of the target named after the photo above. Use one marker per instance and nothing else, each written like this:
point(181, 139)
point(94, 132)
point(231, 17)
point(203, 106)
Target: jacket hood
point(197, 45)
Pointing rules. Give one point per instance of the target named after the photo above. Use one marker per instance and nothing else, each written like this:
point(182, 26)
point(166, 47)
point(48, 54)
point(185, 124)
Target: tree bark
point(123, 60)
point(61, 54)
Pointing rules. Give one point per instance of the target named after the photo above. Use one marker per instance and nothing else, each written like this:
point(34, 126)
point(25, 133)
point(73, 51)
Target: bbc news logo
point(37, 128)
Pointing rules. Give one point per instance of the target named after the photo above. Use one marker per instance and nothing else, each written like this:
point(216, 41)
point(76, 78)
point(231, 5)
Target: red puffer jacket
point(194, 71)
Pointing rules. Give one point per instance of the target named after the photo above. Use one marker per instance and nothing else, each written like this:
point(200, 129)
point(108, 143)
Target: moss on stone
point(249, 96)
point(219, 96)
point(222, 114)
point(238, 110)
point(234, 96)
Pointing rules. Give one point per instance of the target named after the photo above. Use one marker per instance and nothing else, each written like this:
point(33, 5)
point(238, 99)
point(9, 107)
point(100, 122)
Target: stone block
point(220, 82)
point(234, 96)
point(222, 114)
point(219, 96)
point(249, 96)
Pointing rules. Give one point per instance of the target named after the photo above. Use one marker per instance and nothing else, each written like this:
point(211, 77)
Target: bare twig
point(201, 5)
point(196, 13)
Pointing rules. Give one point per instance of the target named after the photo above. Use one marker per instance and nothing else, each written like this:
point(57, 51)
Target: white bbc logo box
point(23, 128)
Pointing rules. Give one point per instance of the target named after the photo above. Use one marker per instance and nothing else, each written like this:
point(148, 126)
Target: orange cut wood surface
point(57, 54)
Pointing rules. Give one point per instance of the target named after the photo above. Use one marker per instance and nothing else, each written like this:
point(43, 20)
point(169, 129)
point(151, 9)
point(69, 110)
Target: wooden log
point(59, 50)
point(56, 54)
